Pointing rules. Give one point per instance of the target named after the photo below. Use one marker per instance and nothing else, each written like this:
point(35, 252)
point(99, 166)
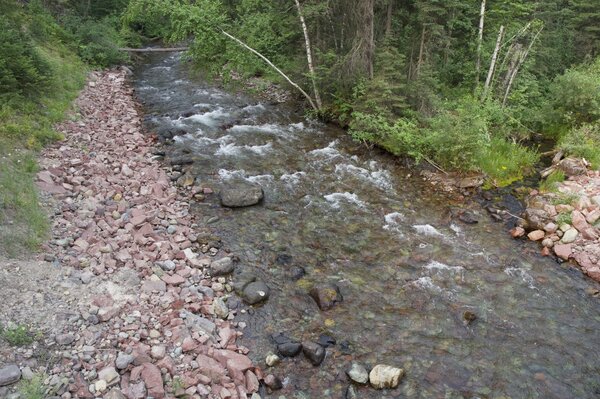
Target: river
point(408, 272)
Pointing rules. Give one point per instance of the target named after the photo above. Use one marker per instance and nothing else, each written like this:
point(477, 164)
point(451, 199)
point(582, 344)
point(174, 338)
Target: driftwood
point(153, 49)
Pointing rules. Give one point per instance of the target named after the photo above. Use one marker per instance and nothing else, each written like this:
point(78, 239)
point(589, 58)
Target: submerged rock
point(383, 376)
point(314, 352)
point(358, 373)
point(241, 194)
point(256, 292)
point(326, 296)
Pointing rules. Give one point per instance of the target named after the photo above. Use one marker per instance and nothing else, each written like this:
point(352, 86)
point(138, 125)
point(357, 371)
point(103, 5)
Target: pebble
point(569, 236)
point(123, 360)
point(383, 376)
point(256, 292)
point(358, 373)
point(314, 352)
point(272, 360)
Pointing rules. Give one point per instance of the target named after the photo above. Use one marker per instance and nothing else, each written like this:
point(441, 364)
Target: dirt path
point(125, 305)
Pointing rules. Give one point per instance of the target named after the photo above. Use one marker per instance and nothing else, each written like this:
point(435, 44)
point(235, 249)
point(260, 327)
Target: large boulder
point(241, 194)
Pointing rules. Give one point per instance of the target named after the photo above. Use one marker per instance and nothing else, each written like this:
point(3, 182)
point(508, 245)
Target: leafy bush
point(98, 40)
point(583, 142)
point(23, 71)
point(575, 97)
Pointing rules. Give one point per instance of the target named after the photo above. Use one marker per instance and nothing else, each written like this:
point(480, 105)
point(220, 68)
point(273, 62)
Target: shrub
point(23, 71)
point(583, 142)
point(16, 335)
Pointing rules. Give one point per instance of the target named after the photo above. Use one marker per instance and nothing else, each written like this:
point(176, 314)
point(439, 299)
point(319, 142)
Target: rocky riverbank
point(132, 306)
point(566, 220)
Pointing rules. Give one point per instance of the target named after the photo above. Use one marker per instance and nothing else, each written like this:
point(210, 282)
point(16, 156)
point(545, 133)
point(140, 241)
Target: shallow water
point(407, 270)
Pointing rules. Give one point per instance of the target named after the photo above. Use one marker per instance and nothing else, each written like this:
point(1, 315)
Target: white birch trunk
point(490, 74)
point(309, 58)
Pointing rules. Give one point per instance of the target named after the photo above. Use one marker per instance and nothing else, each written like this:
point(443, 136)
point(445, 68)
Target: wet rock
point(383, 376)
point(272, 360)
point(182, 160)
point(221, 267)
point(326, 296)
point(241, 281)
point(9, 375)
point(283, 259)
point(572, 166)
point(517, 232)
point(569, 236)
point(314, 352)
point(536, 235)
point(289, 349)
point(255, 292)
point(469, 317)
point(563, 251)
point(241, 194)
point(296, 273)
point(351, 393)
point(468, 217)
point(273, 382)
point(358, 373)
point(326, 341)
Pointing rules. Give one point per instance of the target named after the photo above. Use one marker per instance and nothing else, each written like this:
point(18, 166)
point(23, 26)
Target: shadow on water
point(346, 215)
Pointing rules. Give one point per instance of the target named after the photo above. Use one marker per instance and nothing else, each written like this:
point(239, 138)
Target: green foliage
point(32, 388)
point(97, 40)
point(563, 218)
point(505, 162)
point(23, 71)
point(575, 97)
point(583, 142)
point(550, 183)
point(17, 335)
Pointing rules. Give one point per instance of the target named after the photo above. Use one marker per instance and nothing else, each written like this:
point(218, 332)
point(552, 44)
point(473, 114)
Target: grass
point(18, 335)
point(550, 184)
point(33, 388)
point(505, 162)
point(583, 142)
point(565, 199)
point(26, 125)
point(563, 218)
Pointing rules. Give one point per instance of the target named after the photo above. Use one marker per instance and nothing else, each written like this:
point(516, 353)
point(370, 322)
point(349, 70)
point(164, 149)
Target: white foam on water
point(202, 105)
point(256, 107)
point(393, 221)
point(522, 274)
point(436, 266)
point(209, 118)
point(265, 128)
point(291, 179)
point(336, 199)
point(427, 230)
point(261, 178)
point(380, 178)
point(328, 152)
point(162, 68)
point(425, 283)
point(297, 126)
point(232, 149)
point(455, 228)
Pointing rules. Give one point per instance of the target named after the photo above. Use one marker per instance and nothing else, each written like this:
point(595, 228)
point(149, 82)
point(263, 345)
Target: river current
point(407, 271)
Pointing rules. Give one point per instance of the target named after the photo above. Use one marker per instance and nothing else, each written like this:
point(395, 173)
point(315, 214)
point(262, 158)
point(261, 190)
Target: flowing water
point(407, 271)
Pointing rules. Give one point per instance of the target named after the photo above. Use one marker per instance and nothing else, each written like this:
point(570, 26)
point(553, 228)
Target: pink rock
point(189, 344)
point(174, 279)
point(211, 368)
point(536, 235)
point(550, 228)
point(517, 232)
point(593, 216)
point(252, 383)
point(105, 314)
point(563, 251)
point(579, 221)
point(153, 380)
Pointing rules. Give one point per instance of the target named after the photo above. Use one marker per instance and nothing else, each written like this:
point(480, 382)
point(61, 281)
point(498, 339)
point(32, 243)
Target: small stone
point(550, 228)
point(9, 375)
point(358, 373)
point(256, 292)
point(221, 267)
point(220, 308)
point(114, 393)
point(548, 243)
point(64, 339)
point(314, 352)
point(536, 235)
point(273, 382)
point(563, 251)
point(167, 265)
point(517, 232)
point(383, 376)
point(109, 374)
point(469, 317)
point(569, 236)
point(100, 386)
point(289, 349)
point(272, 360)
point(123, 360)
point(241, 194)
point(158, 352)
point(326, 296)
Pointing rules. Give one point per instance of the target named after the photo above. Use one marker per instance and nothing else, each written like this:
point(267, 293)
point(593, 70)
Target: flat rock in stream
point(326, 295)
point(241, 194)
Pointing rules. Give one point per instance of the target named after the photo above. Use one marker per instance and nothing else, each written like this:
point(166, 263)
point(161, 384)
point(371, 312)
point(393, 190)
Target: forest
point(469, 86)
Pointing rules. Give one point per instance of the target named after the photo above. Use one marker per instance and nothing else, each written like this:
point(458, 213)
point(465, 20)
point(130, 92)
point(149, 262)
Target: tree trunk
point(388, 20)
point(309, 57)
point(521, 61)
point(421, 54)
point(279, 71)
point(370, 35)
point(479, 43)
point(488, 80)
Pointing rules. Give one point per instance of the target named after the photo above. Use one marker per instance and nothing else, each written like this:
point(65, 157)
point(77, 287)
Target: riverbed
point(335, 211)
